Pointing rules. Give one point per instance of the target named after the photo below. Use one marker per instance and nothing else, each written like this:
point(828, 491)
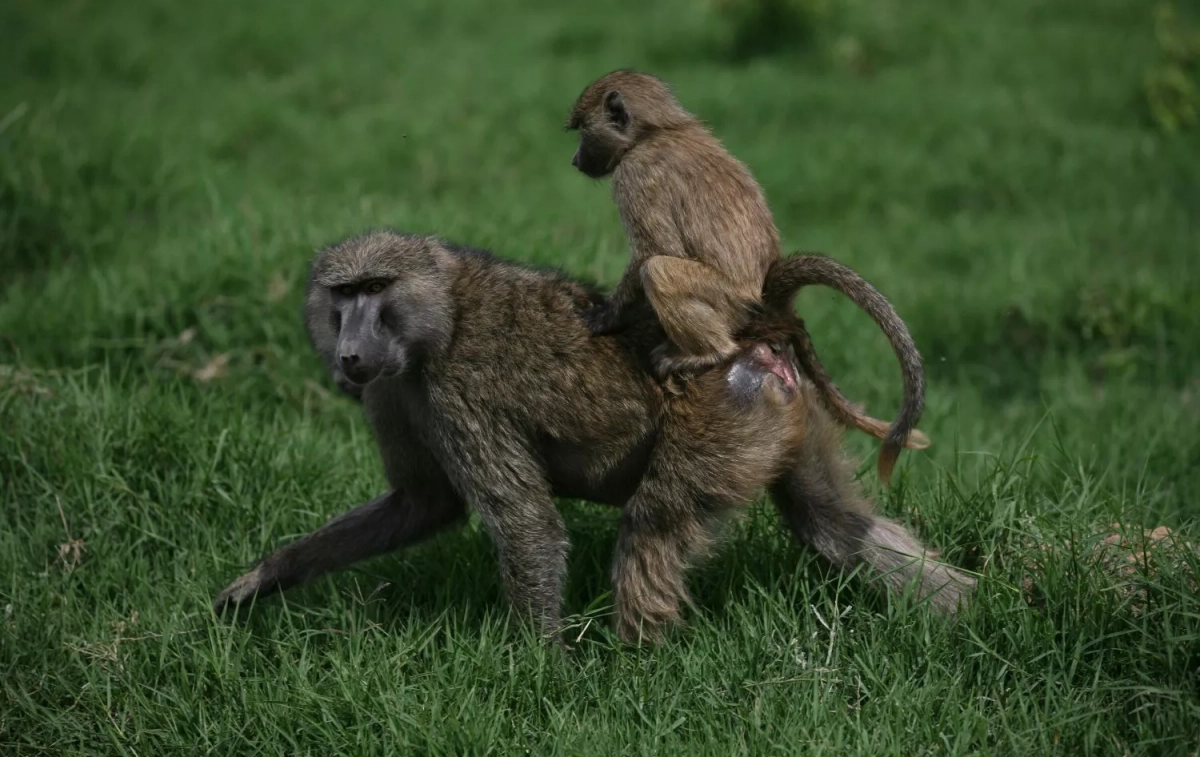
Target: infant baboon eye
point(375, 287)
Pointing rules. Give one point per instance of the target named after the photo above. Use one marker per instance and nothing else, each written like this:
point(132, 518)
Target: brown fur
point(486, 393)
point(702, 239)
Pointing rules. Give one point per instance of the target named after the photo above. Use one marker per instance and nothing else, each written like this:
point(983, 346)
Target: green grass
point(167, 169)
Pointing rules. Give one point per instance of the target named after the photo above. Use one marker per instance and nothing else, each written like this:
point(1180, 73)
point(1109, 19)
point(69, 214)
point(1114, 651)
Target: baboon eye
point(375, 287)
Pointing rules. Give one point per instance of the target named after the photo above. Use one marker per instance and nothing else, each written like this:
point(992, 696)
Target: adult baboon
point(486, 393)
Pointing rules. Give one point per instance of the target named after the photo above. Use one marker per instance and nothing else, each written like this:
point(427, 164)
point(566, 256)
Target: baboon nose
point(349, 359)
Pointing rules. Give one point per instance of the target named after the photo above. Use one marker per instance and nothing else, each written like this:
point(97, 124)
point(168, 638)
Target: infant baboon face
point(603, 136)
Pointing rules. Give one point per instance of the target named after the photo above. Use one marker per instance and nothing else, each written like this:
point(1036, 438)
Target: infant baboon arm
point(619, 308)
point(390, 521)
point(652, 233)
point(699, 307)
point(823, 507)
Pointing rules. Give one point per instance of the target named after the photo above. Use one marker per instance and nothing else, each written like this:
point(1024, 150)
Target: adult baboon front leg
point(532, 543)
point(823, 507)
point(491, 466)
point(390, 521)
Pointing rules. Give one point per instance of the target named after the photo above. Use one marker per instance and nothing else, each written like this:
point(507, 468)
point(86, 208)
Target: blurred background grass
point(1021, 178)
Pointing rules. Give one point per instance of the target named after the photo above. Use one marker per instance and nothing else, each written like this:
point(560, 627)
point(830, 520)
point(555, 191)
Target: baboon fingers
point(245, 587)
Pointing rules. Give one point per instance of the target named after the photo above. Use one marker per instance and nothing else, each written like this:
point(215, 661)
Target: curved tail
point(783, 282)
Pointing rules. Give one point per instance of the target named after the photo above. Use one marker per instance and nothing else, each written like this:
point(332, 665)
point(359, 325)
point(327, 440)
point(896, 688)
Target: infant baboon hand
point(600, 319)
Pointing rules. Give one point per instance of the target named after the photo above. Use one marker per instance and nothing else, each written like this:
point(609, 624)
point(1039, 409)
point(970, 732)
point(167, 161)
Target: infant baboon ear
point(614, 108)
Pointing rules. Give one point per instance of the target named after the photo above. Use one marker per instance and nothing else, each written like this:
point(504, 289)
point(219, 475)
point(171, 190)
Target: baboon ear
point(614, 107)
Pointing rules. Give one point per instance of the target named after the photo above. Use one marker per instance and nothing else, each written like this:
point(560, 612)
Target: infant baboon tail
point(844, 411)
point(785, 279)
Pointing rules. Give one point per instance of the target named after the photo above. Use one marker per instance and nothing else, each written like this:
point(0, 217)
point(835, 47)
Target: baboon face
point(604, 134)
point(365, 316)
point(377, 303)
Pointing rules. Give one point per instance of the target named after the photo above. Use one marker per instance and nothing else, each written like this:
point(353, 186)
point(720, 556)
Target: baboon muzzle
point(358, 351)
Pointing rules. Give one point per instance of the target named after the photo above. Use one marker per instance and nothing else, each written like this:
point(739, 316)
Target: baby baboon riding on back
point(702, 242)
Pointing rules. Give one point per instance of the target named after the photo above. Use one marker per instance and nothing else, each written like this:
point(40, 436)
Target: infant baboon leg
point(389, 521)
point(823, 507)
point(697, 307)
point(649, 572)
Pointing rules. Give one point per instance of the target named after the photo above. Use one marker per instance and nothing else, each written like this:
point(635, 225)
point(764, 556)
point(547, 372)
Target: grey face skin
point(372, 315)
point(364, 351)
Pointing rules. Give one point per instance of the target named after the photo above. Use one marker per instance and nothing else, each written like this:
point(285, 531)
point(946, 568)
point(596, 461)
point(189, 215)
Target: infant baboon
point(486, 393)
point(702, 239)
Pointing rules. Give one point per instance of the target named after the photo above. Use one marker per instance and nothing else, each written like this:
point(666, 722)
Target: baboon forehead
point(634, 86)
point(376, 255)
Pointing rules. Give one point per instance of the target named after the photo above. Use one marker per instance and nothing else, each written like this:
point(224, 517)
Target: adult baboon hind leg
point(719, 445)
point(824, 508)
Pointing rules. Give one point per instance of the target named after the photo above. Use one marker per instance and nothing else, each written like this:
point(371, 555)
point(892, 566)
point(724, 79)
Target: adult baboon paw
point(645, 631)
point(242, 589)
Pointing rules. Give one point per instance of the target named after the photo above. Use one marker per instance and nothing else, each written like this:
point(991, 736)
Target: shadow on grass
point(59, 209)
point(1129, 331)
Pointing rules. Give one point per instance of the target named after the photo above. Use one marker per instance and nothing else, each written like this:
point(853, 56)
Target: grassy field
point(167, 170)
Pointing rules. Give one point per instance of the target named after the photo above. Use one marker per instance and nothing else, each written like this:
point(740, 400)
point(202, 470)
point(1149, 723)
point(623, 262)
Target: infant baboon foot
point(668, 362)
